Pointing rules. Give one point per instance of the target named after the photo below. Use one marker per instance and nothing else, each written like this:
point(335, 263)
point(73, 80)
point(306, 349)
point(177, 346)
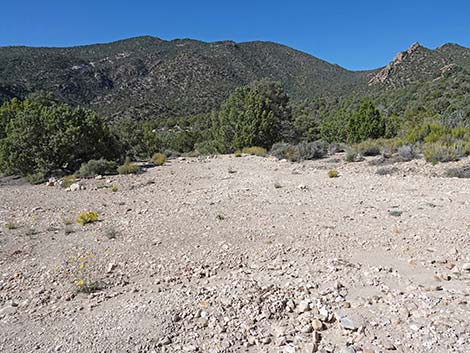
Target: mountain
point(146, 77)
point(419, 64)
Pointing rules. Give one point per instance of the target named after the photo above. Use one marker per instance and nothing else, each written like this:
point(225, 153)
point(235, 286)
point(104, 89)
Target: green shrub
point(36, 178)
point(278, 150)
point(256, 151)
point(365, 123)
point(352, 155)
point(96, 167)
point(251, 116)
point(159, 159)
point(68, 180)
point(333, 173)
point(407, 153)
point(438, 152)
point(128, 167)
point(87, 217)
point(302, 151)
point(206, 148)
point(114, 188)
point(312, 150)
point(368, 148)
point(50, 137)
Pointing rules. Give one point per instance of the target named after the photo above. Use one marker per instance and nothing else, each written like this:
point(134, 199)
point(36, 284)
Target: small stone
point(165, 341)
point(251, 341)
point(349, 349)
point(303, 306)
point(202, 322)
point(389, 346)
point(466, 267)
point(348, 324)
point(323, 313)
point(307, 328)
point(317, 325)
point(266, 340)
point(310, 348)
point(110, 268)
point(76, 187)
point(8, 310)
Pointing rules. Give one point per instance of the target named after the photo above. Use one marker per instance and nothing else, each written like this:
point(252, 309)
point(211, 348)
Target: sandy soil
point(243, 254)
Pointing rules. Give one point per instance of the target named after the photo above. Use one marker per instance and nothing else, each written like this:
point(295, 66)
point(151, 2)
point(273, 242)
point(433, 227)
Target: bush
point(462, 172)
point(302, 151)
point(407, 153)
point(87, 217)
point(368, 148)
point(114, 188)
point(206, 148)
point(68, 180)
point(255, 151)
point(96, 167)
point(40, 137)
point(278, 150)
point(128, 167)
point(159, 159)
point(366, 122)
point(333, 173)
point(352, 155)
point(438, 152)
point(251, 116)
point(312, 150)
point(36, 178)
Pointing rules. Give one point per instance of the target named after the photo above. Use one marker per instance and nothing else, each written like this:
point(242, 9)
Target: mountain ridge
point(147, 77)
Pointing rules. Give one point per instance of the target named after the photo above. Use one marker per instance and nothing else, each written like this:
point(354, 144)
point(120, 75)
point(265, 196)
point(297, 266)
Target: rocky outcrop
point(383, 75)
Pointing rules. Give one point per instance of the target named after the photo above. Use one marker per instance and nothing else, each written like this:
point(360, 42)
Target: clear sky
point(352, 33)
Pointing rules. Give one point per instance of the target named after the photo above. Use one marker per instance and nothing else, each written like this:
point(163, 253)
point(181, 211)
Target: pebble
point(348, 324)
point(8, 310)
point(317, 325)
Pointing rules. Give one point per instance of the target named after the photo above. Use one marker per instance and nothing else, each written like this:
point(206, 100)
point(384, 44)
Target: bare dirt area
point(245, 254)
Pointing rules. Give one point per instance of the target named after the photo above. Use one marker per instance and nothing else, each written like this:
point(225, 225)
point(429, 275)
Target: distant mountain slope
point(419, 64)
point(146, 77)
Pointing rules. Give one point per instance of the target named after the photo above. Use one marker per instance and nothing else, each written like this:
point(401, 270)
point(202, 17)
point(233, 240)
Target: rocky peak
point(403, 56)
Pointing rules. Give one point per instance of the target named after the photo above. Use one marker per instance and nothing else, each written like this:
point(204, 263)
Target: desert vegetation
point(40, 137)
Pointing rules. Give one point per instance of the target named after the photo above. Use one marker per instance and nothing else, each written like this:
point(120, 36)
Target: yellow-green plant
point(68, 180)
point(10, 225)
point(128, 167)
point(87, 217)
point(81, 272)
point(114, 188)
point(256, 151)
point(159, 159)
point(333, 173)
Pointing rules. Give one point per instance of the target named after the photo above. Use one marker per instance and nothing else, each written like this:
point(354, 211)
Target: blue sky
point(354, 34)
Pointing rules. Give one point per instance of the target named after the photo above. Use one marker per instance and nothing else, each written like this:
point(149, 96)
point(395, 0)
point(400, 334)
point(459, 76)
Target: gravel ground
point(242, 254)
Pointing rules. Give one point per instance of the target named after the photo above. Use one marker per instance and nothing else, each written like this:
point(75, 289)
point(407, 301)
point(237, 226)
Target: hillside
point(420, 64)
point(147, 77)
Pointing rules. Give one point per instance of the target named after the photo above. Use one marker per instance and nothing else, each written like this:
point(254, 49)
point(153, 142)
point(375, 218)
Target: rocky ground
point(242, 254)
